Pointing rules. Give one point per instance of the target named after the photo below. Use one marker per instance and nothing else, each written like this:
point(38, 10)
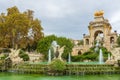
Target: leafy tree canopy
point(45, 43)
point(18, 29)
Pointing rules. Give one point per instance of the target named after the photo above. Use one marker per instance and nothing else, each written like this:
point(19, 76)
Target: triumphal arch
point(102, 28)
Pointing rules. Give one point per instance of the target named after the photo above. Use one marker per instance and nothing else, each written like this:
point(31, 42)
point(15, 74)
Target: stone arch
point(111, 39)
point(98, 32)
point(87, 41)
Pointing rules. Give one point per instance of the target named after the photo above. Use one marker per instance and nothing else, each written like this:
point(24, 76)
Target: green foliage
point(21, 52)
point(23, 55)
point(62, 41)
point(57, 65)
point(87, 53)
point(45, 43)
point(3, 57)
point(91, 55)
point(105, 53)
point(6, 50)
point(88, 56)
point(18, 29)
point(1, 62)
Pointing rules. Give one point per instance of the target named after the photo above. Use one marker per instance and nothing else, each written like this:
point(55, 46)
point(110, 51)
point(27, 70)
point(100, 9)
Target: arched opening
point(98, 33)
point(87, 41)
point(79, 52)
point(111, 39)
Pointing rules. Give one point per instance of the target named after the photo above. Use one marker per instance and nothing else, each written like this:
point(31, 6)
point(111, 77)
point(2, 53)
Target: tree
point(18, 25)
point(62, 41)
point(18, 30)
point(45, 43)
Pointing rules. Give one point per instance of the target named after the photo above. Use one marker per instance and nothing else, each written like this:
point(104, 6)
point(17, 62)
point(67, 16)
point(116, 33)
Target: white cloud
point(44, 8)
point(56, 9)
point(115, 21)
point(115, 18)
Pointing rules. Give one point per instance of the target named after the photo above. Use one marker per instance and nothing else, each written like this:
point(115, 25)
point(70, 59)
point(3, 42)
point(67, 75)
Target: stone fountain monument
point(56, 50)
point(98, 44)
point(115, 56)
point(14, 56)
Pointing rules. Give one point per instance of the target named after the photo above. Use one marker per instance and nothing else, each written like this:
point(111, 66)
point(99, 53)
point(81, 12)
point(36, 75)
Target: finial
point(99, 13)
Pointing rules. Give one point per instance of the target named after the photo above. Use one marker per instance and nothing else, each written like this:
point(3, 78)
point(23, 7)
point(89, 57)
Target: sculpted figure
point(57, 51)
point(99, 38)
point(99, 13)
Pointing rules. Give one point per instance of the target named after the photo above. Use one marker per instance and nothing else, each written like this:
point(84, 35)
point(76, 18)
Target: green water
point(13, 76)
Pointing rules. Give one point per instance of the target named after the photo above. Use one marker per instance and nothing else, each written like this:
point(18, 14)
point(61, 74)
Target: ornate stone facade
point(77, 49)
point(100, 26)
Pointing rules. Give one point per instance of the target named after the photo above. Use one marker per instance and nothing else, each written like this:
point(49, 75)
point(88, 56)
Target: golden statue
point(99, 13)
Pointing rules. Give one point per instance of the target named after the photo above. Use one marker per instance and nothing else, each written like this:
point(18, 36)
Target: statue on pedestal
point(98, 42)
point(57, 50)
point(99, 38)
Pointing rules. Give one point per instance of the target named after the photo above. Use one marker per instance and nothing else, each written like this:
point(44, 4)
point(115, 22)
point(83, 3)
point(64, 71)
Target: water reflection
point(13, 76)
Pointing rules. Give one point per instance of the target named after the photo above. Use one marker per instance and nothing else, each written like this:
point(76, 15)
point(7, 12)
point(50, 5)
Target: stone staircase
point(29, 68)
point(91, 69)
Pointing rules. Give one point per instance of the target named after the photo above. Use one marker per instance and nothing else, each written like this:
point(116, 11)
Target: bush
point(22, 52)
point(57, 65)
point(3, 56)
point(91, 55)
point(6, 50)
point(87, 53)
point(23, 55)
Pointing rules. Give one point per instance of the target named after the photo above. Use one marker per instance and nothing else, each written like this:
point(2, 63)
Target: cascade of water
point(97, 46)
point(54, 43)
point(69, 58)
point(108, 56)
point(101, 57)
point(49, 56)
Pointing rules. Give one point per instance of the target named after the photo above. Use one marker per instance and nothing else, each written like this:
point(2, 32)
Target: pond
point(15, 76)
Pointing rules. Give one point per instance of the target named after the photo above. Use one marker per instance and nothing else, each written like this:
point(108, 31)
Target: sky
point(68, 18)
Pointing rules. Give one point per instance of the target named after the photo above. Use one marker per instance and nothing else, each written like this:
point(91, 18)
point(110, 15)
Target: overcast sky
point(68, 18)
